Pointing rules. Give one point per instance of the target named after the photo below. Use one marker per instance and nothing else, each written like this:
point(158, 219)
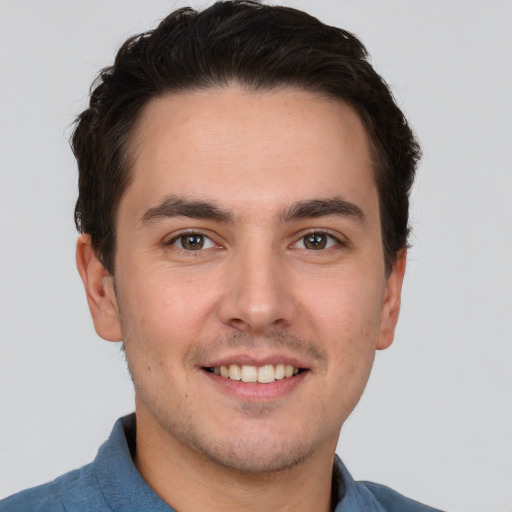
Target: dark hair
point(259, 47)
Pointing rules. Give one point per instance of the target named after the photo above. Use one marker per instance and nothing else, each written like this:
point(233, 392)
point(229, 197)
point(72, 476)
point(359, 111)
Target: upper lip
point(254, 360)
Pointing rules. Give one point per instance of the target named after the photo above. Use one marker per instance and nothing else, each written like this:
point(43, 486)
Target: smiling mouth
point(260, 374)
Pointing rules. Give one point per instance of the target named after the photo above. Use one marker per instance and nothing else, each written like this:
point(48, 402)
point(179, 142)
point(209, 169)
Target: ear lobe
point(391, 304)
point(99, 288)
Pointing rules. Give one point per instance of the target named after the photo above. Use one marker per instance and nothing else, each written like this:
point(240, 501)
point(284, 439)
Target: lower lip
point(255, 392)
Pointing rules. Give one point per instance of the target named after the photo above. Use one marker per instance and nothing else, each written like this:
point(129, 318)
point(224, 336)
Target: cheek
point(345, 305)
point(346, 316)
point(164, 309)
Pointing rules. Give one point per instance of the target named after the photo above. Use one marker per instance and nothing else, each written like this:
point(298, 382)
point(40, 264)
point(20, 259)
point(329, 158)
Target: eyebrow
point(174, 206)
point(313, 208)
point(178, 207)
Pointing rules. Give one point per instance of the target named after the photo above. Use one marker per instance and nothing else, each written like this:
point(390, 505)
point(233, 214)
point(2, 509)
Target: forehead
point(263, 147)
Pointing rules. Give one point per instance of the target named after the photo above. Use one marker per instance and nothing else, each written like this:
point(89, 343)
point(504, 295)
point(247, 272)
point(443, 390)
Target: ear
point(99, 288)
point(391, 305)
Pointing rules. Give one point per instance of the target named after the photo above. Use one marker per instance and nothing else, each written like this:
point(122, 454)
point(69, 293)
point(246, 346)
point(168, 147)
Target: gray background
point(436, 421)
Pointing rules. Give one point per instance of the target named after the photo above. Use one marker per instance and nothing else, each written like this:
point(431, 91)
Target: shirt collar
point(121, 484)
point(124, 489)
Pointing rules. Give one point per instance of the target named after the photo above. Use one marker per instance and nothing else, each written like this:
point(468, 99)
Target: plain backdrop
point(436, 420)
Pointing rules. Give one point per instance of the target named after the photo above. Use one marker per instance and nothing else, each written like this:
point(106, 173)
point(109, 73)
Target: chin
point(263, 455)
point(256, 449)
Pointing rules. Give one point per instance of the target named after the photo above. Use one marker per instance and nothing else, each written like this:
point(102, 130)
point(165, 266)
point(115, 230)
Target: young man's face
point(250, 235)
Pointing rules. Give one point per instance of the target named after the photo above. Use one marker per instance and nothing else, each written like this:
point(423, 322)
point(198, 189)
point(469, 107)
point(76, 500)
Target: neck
point(188, 481)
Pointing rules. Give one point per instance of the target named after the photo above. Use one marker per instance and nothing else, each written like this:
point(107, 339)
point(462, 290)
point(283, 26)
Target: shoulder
point(62, 494)
point(110, 482)
point(358, 496)
point(393, 501)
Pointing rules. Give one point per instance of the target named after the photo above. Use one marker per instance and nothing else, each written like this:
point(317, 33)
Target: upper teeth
point(262, 374)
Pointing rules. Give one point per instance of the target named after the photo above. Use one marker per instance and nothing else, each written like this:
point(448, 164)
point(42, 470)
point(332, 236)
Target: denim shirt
point(112, 483)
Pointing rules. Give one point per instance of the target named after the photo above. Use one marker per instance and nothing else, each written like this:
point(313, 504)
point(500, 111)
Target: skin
point(255, 292)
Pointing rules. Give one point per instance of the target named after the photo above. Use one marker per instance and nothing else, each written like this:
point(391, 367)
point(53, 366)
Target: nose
point(259, 293)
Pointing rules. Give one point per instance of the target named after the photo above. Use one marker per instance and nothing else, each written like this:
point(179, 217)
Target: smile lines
point(261, 374)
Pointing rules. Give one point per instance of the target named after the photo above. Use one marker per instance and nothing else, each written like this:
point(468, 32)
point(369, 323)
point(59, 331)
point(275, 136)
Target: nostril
point(239, 324)
point(243, 326)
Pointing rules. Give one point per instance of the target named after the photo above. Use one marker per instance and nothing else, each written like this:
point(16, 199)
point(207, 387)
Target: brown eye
point(316, 241)
point(192, 242)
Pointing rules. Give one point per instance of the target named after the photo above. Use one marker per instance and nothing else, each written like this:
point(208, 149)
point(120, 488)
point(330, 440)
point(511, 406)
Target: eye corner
point(319, 240)
point(190, 241)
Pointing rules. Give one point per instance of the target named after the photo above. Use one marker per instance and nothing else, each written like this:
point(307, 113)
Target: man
point(243, 204)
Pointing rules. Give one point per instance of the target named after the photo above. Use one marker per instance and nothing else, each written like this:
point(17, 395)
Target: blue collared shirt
point(112, 483)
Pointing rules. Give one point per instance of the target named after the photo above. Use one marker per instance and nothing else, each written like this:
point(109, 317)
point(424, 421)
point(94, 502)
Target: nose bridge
point(257, 298)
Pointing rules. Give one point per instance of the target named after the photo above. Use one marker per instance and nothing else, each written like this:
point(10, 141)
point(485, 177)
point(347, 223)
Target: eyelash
point(330, 239)
point(329, 236)
point(183, 235)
